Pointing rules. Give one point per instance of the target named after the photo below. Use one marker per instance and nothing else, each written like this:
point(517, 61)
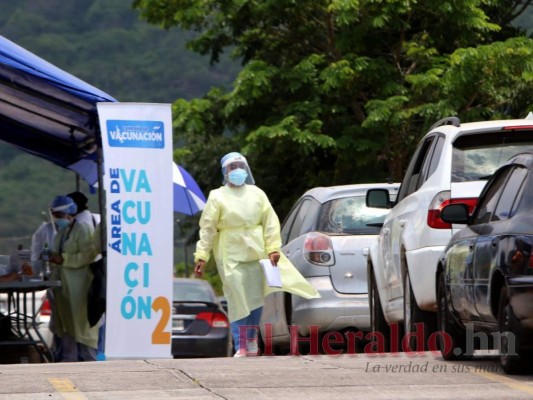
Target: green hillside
point(104, 43)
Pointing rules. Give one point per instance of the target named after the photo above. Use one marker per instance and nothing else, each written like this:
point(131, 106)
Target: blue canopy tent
point(51, 114)
point(46, 111)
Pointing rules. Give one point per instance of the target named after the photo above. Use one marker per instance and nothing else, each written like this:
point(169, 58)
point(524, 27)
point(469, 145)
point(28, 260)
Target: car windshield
point(184, 291)
point(350, 215)
point(477, 156)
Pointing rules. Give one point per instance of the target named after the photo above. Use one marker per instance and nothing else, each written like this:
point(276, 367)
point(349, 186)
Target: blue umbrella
point(188, 197)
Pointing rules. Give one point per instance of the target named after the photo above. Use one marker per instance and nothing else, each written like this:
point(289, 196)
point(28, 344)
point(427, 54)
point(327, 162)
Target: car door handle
point(385, 231)
point(494, 243)
point(402, 222)
point(471, 247)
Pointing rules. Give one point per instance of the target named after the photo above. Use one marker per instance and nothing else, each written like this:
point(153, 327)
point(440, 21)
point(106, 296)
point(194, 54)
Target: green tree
point(340, 91)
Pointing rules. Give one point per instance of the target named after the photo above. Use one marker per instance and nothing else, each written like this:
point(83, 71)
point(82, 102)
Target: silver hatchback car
point(326, 236)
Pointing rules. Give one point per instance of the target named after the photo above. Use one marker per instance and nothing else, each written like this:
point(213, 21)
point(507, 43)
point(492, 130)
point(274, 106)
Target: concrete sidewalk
point(283, 377)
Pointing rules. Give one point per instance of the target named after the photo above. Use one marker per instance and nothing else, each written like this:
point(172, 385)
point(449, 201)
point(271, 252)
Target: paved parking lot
point(282, 377)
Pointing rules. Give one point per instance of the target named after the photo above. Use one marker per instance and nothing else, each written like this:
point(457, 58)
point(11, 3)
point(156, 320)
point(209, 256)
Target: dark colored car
point(200, 326)
point(485, 277)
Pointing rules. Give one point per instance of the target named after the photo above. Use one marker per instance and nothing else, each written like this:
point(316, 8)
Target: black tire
point(415, 319)
point(378, 324)
point(451, 339)
point(512, 358)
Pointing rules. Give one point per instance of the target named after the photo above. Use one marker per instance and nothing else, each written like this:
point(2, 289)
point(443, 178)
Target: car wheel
point(380, 329)
point(512, 358)
point(414, 320)
point(451, 338)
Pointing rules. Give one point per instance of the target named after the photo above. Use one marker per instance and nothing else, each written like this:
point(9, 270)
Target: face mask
point(62, 222)
point(237, 176)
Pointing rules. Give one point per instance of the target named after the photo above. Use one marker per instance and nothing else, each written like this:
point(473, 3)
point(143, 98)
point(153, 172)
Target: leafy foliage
point(340, 91)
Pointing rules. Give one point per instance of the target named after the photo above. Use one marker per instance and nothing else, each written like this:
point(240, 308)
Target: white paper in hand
point(272, 273)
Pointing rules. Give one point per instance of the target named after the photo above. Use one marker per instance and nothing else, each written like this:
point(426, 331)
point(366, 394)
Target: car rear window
point(192, 292)
point(477, 156)
point(351, 216)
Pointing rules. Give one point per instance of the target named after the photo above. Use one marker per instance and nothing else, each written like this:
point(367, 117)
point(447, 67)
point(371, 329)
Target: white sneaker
point(252, 349)
point(240, 353)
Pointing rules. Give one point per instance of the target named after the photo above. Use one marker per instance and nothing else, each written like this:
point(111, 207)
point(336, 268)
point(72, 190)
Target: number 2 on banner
point(159, 335)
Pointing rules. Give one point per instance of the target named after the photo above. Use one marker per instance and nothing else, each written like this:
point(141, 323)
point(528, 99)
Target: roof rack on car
point(455, 121)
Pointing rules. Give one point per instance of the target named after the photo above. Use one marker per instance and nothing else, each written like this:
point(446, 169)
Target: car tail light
point(518, 128)
point(214, 319)
point(45, 306)
point(318, 249)
point(441, 200)
point(531, 261)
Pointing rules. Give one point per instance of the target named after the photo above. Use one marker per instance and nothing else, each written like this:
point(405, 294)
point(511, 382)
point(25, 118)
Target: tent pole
point(101, 202)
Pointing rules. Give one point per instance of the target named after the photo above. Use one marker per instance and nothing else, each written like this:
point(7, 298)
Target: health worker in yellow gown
point(73, 251)
point(239, 227)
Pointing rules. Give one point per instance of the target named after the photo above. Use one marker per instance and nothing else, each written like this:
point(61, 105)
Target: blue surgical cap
point(63, 204)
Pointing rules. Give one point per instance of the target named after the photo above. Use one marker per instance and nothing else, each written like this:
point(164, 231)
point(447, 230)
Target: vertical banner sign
point(137, 146)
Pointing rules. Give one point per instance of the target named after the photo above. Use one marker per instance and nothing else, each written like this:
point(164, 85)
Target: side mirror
point(456, 213)
point(378, 198)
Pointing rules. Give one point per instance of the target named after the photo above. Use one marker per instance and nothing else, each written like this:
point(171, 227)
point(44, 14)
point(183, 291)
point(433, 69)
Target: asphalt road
point(357, 376)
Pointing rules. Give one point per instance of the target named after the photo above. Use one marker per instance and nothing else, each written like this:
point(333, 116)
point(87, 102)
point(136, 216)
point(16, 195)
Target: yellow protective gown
point(70, 307)
point(240, 227)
